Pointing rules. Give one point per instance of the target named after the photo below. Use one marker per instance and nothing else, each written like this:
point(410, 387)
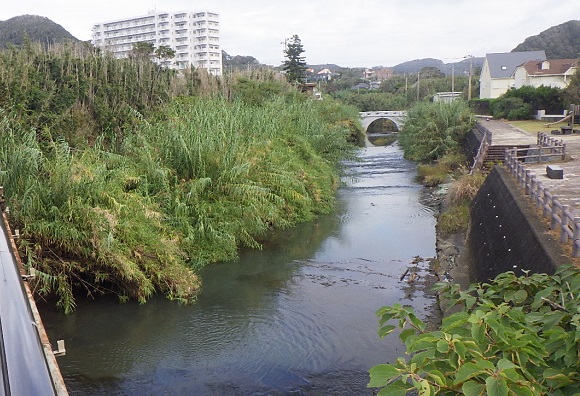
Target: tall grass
point(125, 178)
point(239, 170)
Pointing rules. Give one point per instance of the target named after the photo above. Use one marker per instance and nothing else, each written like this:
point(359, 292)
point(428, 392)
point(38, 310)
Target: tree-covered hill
point(559, 42)
point(415, 66)
point(36, 28)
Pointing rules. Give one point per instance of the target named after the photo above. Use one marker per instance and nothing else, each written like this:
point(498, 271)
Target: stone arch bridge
point(368, 117)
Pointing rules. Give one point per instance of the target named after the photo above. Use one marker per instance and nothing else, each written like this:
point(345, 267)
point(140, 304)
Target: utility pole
point(418, 80)
point(469, 79)
point(452, 81)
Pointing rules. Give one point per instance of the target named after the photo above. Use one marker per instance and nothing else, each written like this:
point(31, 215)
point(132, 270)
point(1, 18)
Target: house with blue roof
point(497, 73)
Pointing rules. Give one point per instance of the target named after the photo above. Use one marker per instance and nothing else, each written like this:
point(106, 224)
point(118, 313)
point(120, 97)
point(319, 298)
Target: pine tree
point(295, 64)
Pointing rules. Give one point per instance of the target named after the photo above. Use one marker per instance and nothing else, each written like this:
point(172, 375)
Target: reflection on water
point(295, 318)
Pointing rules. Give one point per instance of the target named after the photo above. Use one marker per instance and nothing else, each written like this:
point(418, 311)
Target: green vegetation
point(559, 42)
point(512, 336)
point(524, 102)
point(396, 93)
point(572, 91)
point(433, 130)
point(455, 217)
point(126, 178)
point(534, 126)
point(24, 29)
point(295, 63)
point(434, 173)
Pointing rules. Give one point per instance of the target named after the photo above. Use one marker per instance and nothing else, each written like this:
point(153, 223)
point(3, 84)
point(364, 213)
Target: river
point(296, 318)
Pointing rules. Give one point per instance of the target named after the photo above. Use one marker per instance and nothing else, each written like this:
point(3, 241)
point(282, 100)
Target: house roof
point(553, 66)
point(502, 65)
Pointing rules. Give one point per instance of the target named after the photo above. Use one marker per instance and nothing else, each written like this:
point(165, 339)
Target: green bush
point(513, 336)
point(545, 98)
point(433, 130)
point(511, 108)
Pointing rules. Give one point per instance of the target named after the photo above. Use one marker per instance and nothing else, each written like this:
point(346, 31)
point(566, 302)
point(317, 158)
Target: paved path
point(504, 134)
point(568, 189)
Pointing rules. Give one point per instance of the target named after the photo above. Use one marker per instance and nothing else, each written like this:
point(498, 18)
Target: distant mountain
point(417, 65)
point(559, 42)
point(37, 28)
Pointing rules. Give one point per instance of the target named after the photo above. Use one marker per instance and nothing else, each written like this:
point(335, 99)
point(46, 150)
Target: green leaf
point(424, 388)
point(381, 374)
point(395, 389)
point(520, 296)
point(442, 346)
point(496, 387)
point(472, 388)
point(385, 330)
point(468, 371)
point(405, 334)
point(505, 364)
point(437, 376)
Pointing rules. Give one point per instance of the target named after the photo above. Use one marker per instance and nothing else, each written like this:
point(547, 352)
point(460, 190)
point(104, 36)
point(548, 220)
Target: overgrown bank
point(138, 176)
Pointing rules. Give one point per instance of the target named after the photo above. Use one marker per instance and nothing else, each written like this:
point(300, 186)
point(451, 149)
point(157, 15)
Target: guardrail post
point(563, 150)
point(527, 183)
point(554, 213)
point(576, 238)
point(539, 194)
point(546, 203)
point(564, 225)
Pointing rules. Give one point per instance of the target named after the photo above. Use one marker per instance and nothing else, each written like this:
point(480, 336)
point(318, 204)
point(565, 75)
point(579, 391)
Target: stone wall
point(507, 234)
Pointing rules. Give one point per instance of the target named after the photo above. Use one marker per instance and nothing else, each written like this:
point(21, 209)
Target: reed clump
point(136, 176)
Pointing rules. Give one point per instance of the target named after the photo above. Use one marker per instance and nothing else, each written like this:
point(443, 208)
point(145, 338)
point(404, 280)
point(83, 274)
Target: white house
point(497, 73)
point(554, 73)
point(195, 37)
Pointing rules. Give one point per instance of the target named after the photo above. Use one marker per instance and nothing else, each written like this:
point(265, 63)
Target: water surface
point(296, 318)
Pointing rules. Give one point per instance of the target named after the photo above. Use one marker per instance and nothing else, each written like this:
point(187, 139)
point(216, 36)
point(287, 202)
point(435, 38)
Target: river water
point(297, 318)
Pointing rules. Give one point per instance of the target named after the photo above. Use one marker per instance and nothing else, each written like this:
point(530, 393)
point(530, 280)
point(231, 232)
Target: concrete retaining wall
point(507, 234)
point(471, 143)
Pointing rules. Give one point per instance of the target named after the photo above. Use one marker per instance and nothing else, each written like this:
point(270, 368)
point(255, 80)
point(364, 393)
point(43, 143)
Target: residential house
point(497, 73)
point(378, 74)
point(555, 73)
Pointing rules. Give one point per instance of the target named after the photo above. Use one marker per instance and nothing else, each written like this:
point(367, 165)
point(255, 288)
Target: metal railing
point(481, 152)
point(561, 217)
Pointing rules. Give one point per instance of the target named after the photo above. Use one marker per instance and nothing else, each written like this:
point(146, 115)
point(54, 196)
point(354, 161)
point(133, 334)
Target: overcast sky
point(348, 33)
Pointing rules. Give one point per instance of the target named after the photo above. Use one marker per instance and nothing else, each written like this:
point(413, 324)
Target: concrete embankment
point(507, 233)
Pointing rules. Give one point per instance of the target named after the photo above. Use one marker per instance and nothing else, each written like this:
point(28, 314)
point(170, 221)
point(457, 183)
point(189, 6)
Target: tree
point(142, 50)
point(295, 63)
point(164, 52)
point(572, 92)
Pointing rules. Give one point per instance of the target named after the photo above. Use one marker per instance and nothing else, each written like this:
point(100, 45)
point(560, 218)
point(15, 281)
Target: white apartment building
point(193, 35)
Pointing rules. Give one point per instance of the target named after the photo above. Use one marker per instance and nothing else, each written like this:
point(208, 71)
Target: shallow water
point(295, 318)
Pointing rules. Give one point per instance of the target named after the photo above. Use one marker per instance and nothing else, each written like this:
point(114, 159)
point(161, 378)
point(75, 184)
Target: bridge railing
point(561, 217)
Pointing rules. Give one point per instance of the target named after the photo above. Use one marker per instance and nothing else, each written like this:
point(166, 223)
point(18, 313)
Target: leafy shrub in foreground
point(513, 336)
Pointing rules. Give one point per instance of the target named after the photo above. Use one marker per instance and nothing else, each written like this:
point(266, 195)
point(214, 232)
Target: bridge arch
point(397, 117)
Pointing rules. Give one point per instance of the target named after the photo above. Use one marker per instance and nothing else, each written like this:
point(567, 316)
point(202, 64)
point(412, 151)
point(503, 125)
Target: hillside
point(37, 28)
point(417, 65)
point(559, 42)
